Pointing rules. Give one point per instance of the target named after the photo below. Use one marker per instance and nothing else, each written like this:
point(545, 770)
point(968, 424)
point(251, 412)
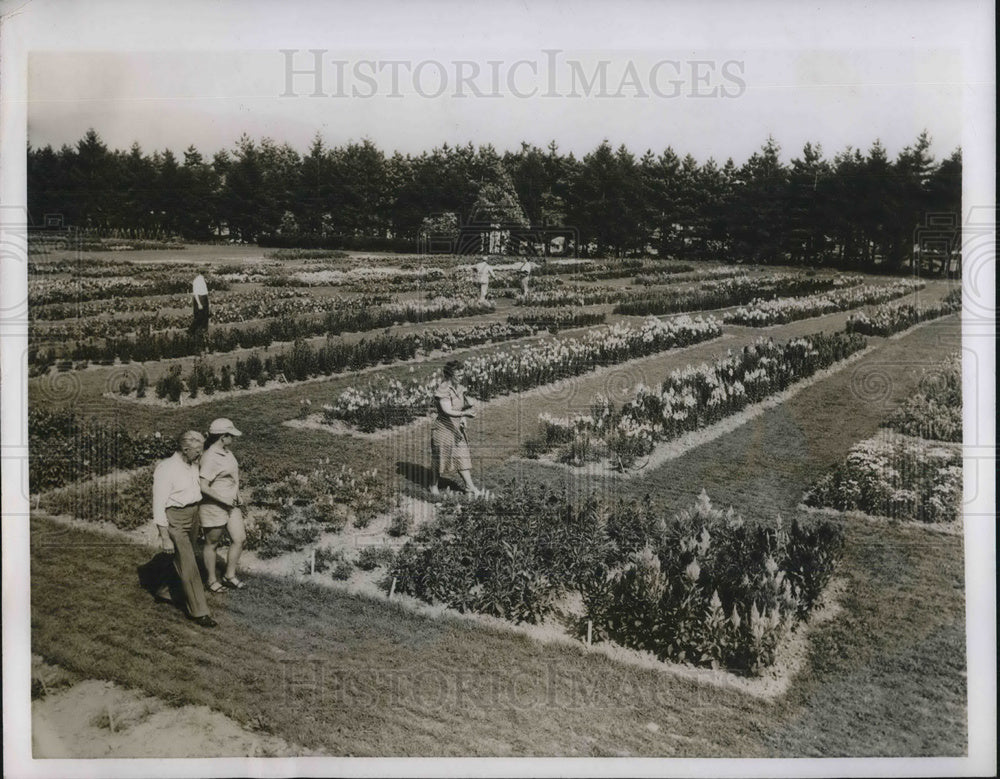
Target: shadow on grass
point(420, 478)
point(159, 577)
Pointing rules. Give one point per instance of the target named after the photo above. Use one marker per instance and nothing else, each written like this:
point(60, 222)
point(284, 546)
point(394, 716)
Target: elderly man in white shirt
point(176, 495)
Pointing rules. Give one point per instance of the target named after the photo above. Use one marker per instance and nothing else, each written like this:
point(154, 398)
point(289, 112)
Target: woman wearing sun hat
point(220, 505)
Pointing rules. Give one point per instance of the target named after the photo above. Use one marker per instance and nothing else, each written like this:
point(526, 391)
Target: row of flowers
point(555, 318)
point(720, 293)
point(226, 307)
point(353, 317)
point(896, 317)
point(390, 403)
point(762, 313)
point(895, 476)
point(672, 277)
point(303, 361)
point(935, 410)
point(689, 399)
point(44, 291)
point(705, 587)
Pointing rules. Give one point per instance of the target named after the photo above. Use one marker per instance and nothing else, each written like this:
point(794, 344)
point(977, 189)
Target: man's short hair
point(190, 436)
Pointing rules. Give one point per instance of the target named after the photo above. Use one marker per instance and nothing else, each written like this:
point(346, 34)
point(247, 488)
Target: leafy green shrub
point(897, 477)
point(286, 530)
point(510, 556)
point(66, 448)
point(400, 524)
point(169, 386)
point(711, 588)
point(372, 557)
point(122, 499)
point(325, 558)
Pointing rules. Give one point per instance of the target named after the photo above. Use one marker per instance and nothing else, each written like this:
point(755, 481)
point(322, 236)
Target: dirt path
point(100, 719)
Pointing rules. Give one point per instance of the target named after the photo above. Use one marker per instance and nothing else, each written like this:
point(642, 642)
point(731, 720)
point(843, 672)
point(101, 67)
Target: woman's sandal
point(216, 587)
point(233, 582)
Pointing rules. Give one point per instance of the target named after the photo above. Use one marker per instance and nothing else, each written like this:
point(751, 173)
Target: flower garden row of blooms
point(341, 316)
point(688, 399)
point(723, 293)
point(304, 362)
point(358, 317)
point(912, 469)
point(390, 403)
point(763, 313)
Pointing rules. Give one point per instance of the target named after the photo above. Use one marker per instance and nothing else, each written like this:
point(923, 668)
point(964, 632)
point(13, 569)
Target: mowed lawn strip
point(887, 677)
point(354, 676)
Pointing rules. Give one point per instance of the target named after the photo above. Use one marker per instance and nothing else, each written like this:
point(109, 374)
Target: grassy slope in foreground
point(359, 677)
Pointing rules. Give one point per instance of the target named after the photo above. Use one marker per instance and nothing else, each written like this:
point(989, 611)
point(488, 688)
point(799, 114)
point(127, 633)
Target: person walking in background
point(199, 291)
point(449, 442)
point(484, 272)
point(525, 269)
point(220, 504)
point(176, 496)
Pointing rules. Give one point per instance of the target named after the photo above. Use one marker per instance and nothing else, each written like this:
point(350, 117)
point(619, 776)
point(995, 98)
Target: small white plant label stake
point(392, 588)
point(312, 564)
point(590, 631)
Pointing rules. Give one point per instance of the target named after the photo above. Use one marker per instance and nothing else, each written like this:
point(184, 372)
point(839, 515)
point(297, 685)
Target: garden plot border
point(671, 450)
point(311, 422)
point(275, 384)
point(956, 528)
point(911, 328)
point(791, 654)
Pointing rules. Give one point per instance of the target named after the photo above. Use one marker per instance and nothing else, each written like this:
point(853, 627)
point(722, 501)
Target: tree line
point(856, 210)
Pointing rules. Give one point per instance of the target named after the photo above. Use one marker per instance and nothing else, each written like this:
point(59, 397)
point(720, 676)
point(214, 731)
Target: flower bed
point(762, 313)
point(345, 316)
point(625, 268)
point(671, 277)
point(284, 513)
point(65, 448)
point(935, 411)
point(303, 361)
point(689, 399)
point(707, 587)
point(720, 293)
point(79, 289)
point(568, 296)
point(555, 318)
point(896, 317)
point(895, 476)
point(292, 511)
point(226, 306)
point(387, 404)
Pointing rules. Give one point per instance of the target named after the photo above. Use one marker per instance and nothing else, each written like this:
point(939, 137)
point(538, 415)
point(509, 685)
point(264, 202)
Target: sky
point(720, 96)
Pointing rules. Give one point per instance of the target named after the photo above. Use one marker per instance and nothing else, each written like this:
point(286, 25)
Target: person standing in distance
point(220, 504)
point(176, 495)
point(483, 275)
point(525, 269)
point(199, 292)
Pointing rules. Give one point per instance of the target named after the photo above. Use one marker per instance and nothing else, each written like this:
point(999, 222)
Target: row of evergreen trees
point(855, 210)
